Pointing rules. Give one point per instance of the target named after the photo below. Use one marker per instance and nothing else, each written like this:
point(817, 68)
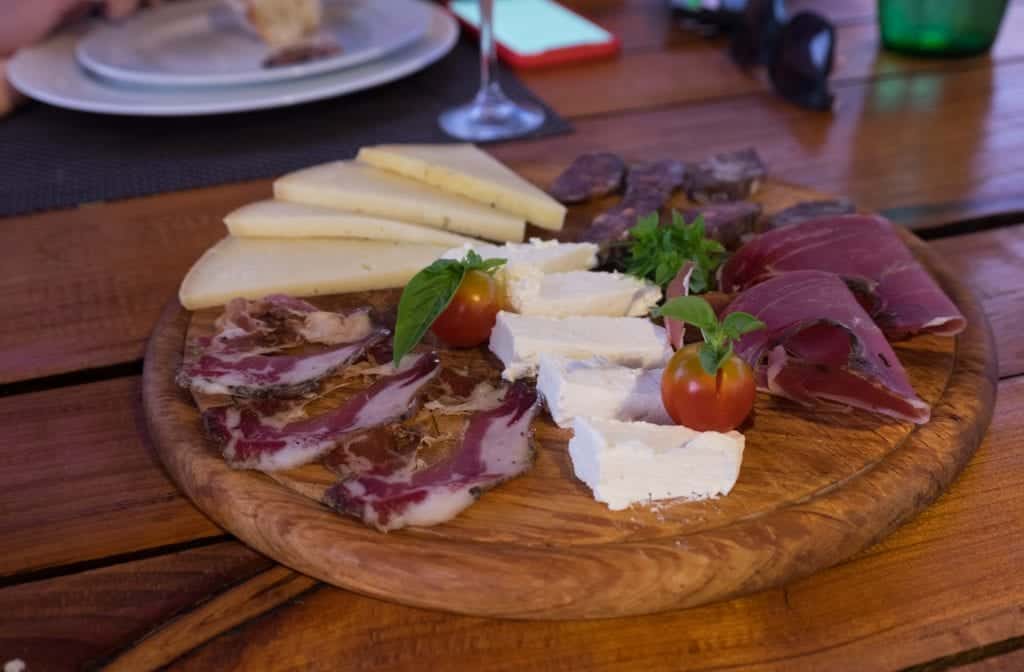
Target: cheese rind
point(471, 172)
point(531, 292)
point(255, 267)
point(520, 340)
point(281, 219)
point(596, 389)
point(628, 462)
point(355, 187)
point(546, 256)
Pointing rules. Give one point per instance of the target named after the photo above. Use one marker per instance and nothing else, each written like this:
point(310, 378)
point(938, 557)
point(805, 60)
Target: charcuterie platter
point(491, 480)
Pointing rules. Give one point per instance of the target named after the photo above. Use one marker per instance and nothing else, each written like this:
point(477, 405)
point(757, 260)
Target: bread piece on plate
point(281, 23)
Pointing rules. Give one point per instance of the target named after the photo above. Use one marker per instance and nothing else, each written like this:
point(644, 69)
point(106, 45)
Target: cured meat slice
point(732, 176)
point(649, 186)
point(495, 447)
point(728, 223)
point(280, 376)
point(253, 441)
point(278, 321)
point(801, 212)
point(869, 255)
point(679, 286)
point(819, 344)
point(591, 175)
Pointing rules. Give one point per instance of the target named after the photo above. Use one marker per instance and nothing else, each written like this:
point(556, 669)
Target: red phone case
point(552, 57)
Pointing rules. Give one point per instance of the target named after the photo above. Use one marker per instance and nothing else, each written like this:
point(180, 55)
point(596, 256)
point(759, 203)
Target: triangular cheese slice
point(356, 187)
point(255, 267)
point(471, 172)
point(281, 219)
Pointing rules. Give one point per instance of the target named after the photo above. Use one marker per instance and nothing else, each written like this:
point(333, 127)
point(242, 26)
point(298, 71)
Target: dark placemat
point(53, 158)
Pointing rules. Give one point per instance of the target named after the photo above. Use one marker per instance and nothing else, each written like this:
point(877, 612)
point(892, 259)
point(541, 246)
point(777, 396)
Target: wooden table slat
point(932, 589)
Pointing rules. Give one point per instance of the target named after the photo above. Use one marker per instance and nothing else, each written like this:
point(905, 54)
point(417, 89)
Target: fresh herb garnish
point(658, 252)
point(428, 294)
point(718, 336)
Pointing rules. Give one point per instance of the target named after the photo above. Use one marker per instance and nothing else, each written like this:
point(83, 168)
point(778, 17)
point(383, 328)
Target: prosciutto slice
point(869, 255)
point(278, 321)
point(280, 376)
point(820, 344)
point(253, 441)
point(495, 447)
point(675, 330)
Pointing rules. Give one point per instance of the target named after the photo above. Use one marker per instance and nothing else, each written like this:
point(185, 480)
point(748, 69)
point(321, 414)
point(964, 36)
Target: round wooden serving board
point(815, 487)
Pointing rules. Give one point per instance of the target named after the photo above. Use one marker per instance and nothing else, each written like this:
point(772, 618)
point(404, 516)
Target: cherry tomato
point(469, 318)
point(706, 402)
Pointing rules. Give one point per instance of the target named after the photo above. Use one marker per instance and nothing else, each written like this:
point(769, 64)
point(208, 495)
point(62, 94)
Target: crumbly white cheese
point(597, 389)
point(468, 171)
point(545, 256)
point(628, 462)
point(520, 340)
point(531, 292)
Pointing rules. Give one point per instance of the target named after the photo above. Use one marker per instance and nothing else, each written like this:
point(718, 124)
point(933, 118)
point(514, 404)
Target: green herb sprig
point(658, 252)
point(718, 335)
point(427, 295)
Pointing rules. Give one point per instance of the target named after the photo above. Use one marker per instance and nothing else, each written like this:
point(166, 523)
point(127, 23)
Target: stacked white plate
point(196, 57)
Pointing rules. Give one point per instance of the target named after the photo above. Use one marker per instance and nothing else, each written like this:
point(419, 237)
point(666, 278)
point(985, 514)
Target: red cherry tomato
point(469, 318)
point(706, 402)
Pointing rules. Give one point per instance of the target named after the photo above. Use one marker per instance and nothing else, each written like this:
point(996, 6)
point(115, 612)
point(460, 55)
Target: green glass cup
point(940, 27)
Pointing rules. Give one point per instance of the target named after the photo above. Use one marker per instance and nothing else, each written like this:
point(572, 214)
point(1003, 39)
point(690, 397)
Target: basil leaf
point(692, 310)
point(709, 359)
point(737, 324)
point(423, 299)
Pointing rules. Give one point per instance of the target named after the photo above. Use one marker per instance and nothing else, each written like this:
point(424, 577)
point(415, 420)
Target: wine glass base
point(479, 123)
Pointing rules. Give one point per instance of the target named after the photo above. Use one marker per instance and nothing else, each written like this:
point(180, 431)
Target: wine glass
point(491, 115)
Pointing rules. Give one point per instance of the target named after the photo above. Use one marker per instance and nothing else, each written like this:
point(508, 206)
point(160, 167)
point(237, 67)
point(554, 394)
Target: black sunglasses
point(797, 51)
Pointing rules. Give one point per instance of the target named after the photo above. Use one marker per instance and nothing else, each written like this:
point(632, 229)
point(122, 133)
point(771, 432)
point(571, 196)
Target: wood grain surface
point(929, 143)
point(540, 547)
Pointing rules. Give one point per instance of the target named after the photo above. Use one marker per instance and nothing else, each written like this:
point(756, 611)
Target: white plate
point(204, 43)
point(49, 72)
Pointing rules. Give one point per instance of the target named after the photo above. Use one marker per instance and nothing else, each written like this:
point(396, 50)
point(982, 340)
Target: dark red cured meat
point(378, 451)
point(801, 212)
point(820, 344)
point(728, 223)
point(679, 286)
point(730, 176)
point(252, 441)
point(494, 448)
point(591, 175)
point(869, 255)
point(649, 187)
point(280, 376)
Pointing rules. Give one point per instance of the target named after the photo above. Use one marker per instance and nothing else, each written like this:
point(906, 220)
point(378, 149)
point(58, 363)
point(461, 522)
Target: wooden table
point(105, 561)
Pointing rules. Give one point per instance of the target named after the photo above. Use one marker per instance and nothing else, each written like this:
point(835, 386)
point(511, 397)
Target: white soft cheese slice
point(520, 340)
point(255, 267)
point(628, 462)
point(596, 389)
point(281, 219)
point(531, 292)
point(356, 187)
point(546, 256)
point(467, 170)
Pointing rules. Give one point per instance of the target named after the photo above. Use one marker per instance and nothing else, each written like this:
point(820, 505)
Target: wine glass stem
point(490, 91)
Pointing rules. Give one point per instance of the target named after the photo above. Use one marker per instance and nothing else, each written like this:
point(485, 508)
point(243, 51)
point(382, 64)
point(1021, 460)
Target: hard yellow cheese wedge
point(281, 219)
point(469, 171)
point(255, 267)
point(355, 187)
